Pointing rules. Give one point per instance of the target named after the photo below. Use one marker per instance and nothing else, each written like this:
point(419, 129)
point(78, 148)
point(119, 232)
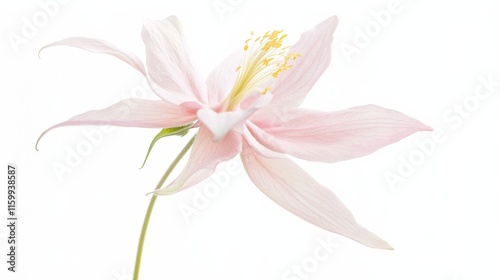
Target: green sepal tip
point(172, 131)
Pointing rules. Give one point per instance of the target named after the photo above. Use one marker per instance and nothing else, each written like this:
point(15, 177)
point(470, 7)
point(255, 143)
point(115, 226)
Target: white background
point(442, 220)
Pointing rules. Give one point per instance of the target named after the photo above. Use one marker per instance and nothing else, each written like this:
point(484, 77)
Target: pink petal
point(100, 46)
point(133, 112)
point(204, 158)
point(168, 62)
point(314, 46)
point(222, 78)
point(256, 145)
point(334, 136)
point(289, 186)
point(221, 123)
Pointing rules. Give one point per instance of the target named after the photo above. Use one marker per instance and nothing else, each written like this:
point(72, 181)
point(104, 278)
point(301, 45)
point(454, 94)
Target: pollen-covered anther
point(273, 41)
point(245, 48)
point(266, 90)
point(267, 60)
point(293, 55)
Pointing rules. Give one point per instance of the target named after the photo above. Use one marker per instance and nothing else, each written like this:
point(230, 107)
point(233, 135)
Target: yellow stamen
point(266, 59)
point(266, 90)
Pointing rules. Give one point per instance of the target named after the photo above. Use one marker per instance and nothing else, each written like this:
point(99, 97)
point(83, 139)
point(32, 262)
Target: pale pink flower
point(248, 106)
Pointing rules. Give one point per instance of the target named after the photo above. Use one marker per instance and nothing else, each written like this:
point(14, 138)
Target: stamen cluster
point(265, 58)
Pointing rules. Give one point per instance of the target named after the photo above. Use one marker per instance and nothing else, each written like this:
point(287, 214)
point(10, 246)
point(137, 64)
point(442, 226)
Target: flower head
point(249, 106)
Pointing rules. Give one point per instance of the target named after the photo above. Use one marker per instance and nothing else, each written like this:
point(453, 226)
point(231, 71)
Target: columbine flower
point(248, 106)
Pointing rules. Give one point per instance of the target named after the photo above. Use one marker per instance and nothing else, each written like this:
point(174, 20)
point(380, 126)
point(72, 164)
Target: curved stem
point(152, 204)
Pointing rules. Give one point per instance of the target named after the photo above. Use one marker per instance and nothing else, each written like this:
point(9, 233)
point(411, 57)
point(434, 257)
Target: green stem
point(152, 204)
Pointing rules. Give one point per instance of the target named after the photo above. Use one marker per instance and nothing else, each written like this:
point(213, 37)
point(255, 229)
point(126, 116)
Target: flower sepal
point(172, 131)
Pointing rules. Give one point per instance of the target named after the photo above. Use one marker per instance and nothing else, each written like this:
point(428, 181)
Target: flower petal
point(221, 123)
point(222, 78)
point(100, 46)
point(289, 186)
point(203, 160)
point(256, 145)
point(334, 136)
point(133, 112)
point(314, 46)
point(168, 62)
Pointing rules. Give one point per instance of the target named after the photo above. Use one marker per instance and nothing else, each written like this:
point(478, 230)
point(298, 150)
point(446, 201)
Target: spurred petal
point(133, 112)
point(333, 136)
point(221, 123)
point(203, 160)
point(100, 46)
point(314, 46)
point(168, 61)
point(288, 185)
